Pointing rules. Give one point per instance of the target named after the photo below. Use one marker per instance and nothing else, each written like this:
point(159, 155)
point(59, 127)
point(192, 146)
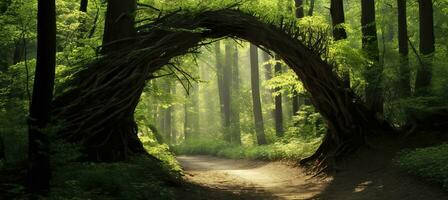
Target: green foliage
point(307, 125)
point(430, 163)
point(294, 149)
point(139, 178)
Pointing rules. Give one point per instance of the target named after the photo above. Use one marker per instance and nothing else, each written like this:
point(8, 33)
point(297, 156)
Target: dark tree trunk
point(299, 9)
point(255, 85)
point(339, 33)
point(235, 119)
point(278, 113)
point(226, 84)
point(119, 24)
point(403, 48)
point(338, 19)
point(427, 48)
point(374, 71)
point(83, 5)
point(2, 149)
point(311, 9)
point(38, 145)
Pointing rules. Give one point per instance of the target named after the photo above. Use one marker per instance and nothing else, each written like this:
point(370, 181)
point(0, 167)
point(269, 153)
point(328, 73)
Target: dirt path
point(242, 179)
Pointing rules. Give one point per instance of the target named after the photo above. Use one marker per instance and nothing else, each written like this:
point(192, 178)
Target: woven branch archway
point(98, 111)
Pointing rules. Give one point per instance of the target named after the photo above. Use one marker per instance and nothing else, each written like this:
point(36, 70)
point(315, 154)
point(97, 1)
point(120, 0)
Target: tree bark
point(226, 84)
point(278, 113)
point(38, 145)
point(339, 33)
point(235, 119)
point(255, 85)
point(83, 5)
point(427, 48)
point(299, 9)
point(2, 149)
point(311, 9)
point(219, 74)
point(119, 24)
point(374, 71)
point(403, 49)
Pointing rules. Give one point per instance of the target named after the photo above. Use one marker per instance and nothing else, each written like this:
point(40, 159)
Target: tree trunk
point(2, 149)
point(255, 85)
point(427, 48)
point(311, 10)
point(38, 144)
point(403, 48)
point(339, 33)
point(374, 71)
point(119, 24)
point(235, 119)
point(278, 113)
point(226, 84)
point(299, 9)
point(83, 5)
point(219, 74)
point(167, 115)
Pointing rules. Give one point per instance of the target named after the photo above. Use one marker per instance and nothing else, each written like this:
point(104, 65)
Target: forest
point(230, 99)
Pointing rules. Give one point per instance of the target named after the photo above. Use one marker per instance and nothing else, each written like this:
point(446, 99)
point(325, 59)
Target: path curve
point(276, 180)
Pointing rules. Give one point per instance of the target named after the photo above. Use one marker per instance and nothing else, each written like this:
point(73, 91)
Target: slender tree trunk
point(2, 149)
point(403, 49)
point(278, 113)
point(227, 81)
point(255, 85)
point(339, 33)
point(427, 48)
point(119, 24)
point(338, 19)
point(299, 9)
point(235, 119)
point(38, 147)
point(173, 117)
point(167, 115)
point(187, 129)
point(374, 71)
point(311, 10)
point(219, 74)
point(83, 5)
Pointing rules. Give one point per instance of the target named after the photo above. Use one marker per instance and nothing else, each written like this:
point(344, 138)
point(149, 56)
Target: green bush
point(430, 163)
point(292, 150)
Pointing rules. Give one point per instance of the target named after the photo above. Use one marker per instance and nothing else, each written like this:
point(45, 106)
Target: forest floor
point(366, 178)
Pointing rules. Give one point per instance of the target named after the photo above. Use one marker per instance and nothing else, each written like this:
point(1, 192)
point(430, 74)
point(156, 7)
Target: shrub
point(430, 163)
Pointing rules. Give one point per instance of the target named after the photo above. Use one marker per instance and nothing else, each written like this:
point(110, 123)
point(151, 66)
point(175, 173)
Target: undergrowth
point(140, 177)
point(292, 150)
point(430, 163)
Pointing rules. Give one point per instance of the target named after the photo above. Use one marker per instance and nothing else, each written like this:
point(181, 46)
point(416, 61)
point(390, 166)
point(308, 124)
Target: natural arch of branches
point(98, 109)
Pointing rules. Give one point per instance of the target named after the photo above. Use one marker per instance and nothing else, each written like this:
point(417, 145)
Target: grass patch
point(140, 177)
point(292, 150)
point(430, 163)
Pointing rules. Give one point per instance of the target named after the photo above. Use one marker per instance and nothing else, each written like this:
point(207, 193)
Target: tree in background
point(373, 71)
point(39, 114)
point(226, 91)
point(427, 48)
point(339, 33)
point(403, 49)
point(235, 94)
point(255, 85)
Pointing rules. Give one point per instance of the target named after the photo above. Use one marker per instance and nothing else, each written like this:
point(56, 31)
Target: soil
point(360, 178)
